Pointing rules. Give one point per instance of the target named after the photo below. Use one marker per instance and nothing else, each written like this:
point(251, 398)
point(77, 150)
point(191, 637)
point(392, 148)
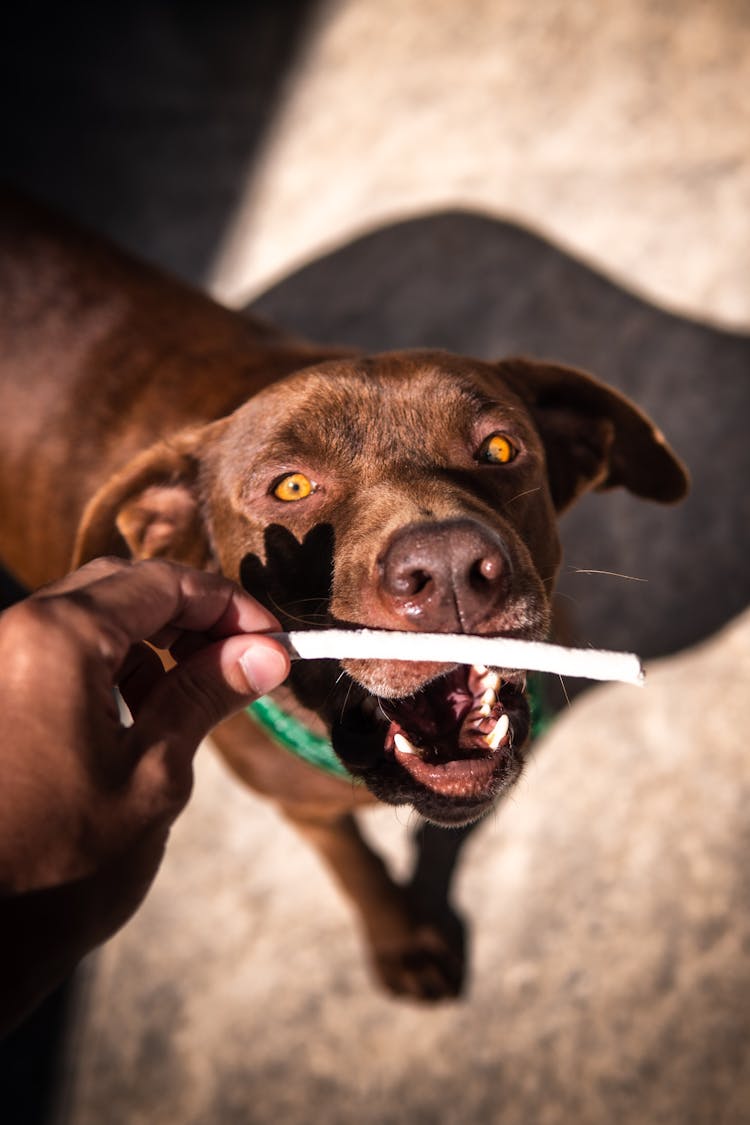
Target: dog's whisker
point(273, 604)
point(609, 573)
point(348, 693)
point(299, 602)
point(299, 607)
point(520, 495)
point(284, 612)
point(563, 596)
point(414, 822)
point(397, 812)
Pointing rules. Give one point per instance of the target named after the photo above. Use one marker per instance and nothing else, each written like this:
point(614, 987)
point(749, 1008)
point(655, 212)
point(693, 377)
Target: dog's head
point(413, 491)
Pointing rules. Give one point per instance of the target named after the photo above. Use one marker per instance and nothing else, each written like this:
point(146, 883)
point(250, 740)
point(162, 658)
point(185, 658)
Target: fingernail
point(264, 667)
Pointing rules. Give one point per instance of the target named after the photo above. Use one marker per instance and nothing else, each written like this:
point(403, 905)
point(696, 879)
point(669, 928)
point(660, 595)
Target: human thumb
point(207, 687)
point(264, 666)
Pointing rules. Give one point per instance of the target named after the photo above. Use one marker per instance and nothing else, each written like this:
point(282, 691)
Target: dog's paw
point(427, 966)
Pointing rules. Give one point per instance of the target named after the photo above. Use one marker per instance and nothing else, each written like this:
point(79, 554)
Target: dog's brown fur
point(138, 417)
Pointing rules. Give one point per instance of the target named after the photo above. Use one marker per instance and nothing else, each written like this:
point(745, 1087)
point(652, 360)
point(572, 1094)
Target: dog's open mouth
point(452, 734)
point(449, 749)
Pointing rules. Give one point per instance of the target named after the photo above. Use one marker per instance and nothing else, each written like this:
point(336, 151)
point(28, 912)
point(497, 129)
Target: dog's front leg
point(412, 954)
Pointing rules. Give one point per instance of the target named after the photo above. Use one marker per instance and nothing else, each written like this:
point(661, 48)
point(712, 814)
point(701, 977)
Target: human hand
point(86, 803)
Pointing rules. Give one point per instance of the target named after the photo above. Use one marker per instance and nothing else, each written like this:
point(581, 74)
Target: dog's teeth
point(485, 710)
point(403, 745)
point(491, 681)
point(489, 697)
point(496, 736)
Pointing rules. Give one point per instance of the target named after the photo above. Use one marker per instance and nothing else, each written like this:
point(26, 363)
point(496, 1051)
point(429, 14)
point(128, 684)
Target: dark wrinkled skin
point(186, 417)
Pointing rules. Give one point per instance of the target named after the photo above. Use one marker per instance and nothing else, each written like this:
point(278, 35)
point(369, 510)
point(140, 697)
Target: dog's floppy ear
point(594, 437)
point(150, 508)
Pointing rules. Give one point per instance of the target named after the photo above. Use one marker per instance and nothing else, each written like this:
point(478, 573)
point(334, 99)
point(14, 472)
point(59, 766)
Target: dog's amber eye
point(294, 486)
point(497, 449)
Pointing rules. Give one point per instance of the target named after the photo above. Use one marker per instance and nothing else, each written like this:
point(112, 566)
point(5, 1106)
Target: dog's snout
point(448, 576)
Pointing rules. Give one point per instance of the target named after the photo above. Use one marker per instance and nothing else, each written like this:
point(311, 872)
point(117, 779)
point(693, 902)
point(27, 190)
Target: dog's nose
point(446, 576)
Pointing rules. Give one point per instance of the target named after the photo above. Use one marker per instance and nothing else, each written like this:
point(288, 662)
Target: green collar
point(317, 751)
point(293, 735)
point(541, 716)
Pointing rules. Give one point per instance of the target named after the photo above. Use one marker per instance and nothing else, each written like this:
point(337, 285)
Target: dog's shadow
point(472, 284)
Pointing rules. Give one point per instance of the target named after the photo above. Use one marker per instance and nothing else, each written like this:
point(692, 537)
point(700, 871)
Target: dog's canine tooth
point(491, 681)
point(489, 697)
point(485, 710)
point(404, 746)
point(496, 736)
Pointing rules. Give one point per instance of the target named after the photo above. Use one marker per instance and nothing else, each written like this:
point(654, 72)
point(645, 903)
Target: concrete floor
point(608, 900)
point(608, 904)
point(620, 132)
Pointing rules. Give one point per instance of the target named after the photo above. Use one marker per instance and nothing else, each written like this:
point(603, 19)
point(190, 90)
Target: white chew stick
point(462, 648)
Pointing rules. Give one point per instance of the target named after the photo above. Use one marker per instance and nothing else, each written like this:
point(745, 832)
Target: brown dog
point(413, 490)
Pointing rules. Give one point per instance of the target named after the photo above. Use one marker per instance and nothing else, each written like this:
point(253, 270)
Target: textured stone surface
point(618, 131)
point(611, 969)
